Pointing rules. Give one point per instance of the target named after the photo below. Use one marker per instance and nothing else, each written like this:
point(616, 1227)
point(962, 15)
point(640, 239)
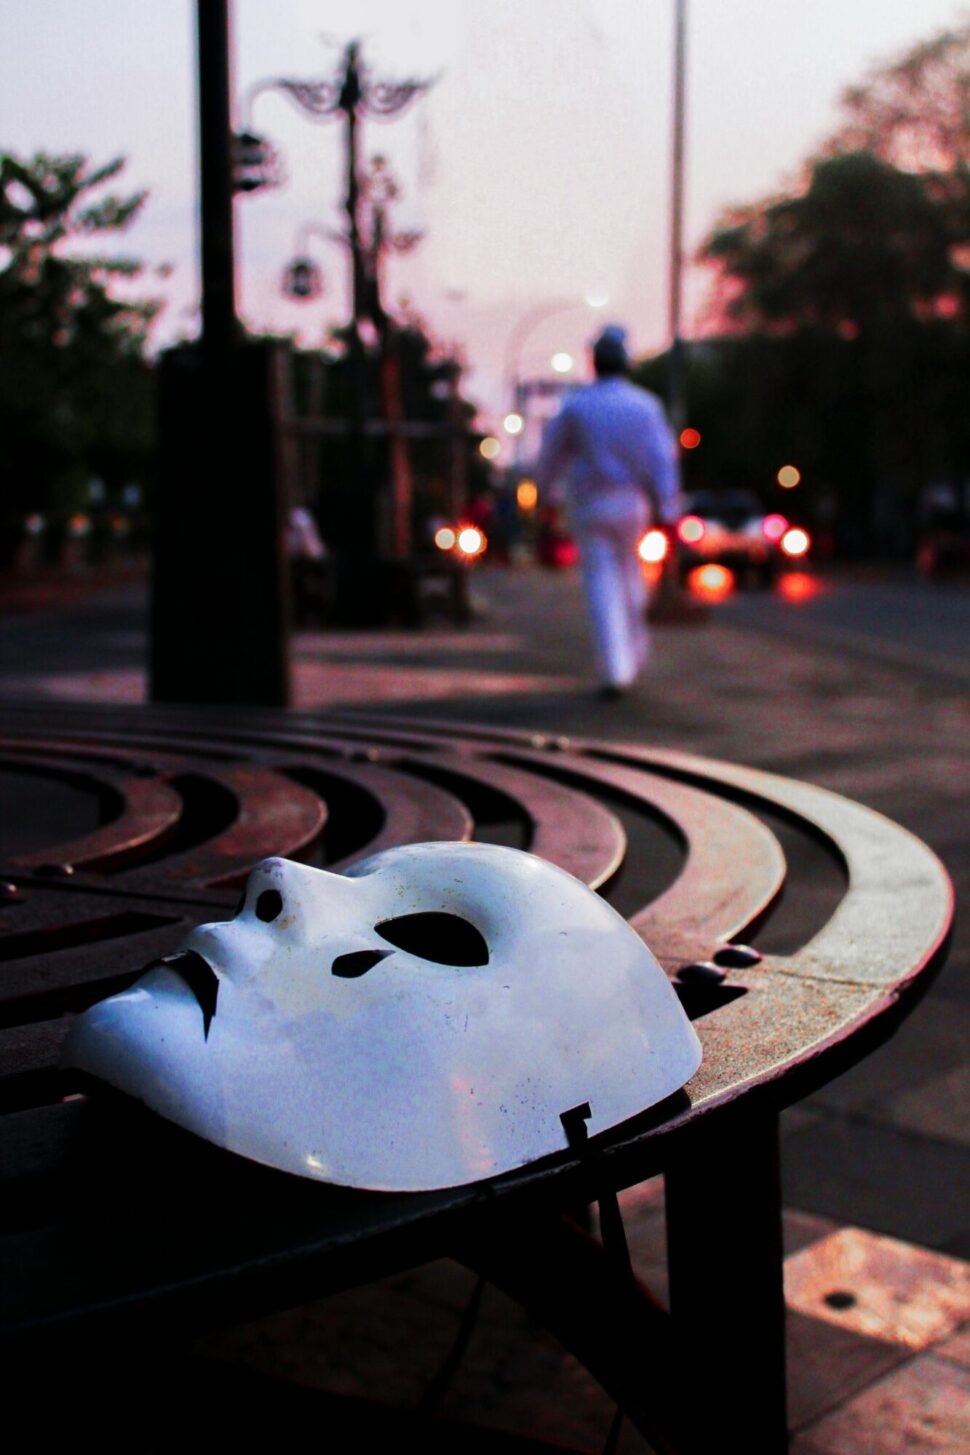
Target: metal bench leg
point(610, 1323)
point(725, 1260)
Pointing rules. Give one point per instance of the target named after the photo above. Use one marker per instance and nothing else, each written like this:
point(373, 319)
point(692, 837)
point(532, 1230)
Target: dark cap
point(609, 350)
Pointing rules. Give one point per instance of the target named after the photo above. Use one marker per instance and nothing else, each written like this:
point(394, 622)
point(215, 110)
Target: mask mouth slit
point(447, 939)
point(201, 979)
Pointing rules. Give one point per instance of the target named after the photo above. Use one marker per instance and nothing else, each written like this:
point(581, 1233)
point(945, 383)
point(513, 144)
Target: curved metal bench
point(696, 853)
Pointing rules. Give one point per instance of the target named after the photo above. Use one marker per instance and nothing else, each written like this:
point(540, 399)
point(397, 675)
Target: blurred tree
point(915, 111)
point(428, 379)
point(76, 394)
point(864, 246)
point(914, 114)
point(844, 305)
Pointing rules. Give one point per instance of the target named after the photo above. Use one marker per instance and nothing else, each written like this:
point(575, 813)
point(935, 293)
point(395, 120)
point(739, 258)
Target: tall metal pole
point(350, 98)
point(357, 586)
point(676, 356)
point(219, 323)
point(219, 578)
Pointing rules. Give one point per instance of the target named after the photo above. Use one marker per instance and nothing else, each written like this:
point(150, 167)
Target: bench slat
point(734, 867)
point(898, 907)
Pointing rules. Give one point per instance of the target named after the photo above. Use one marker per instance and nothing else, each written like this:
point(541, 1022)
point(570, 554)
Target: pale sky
point(538, 163)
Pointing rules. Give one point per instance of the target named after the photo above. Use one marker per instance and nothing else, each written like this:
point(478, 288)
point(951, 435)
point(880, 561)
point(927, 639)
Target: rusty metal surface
point(733, 869)
point(191, 800)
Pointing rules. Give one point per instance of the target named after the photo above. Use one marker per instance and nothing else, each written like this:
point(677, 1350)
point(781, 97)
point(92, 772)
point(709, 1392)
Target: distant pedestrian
point(310, 566)
point(612, 451)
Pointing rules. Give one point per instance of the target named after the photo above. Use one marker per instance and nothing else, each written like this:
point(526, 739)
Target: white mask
point(421, 1021)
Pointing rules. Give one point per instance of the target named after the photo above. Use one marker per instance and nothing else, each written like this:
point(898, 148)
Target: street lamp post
point(220, 327)
point(303, 279)
point(352, 94)
point(676, 356)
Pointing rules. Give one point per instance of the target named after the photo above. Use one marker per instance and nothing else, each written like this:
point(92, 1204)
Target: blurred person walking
point(612, 454)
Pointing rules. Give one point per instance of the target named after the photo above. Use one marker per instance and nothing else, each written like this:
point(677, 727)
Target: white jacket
point(612, 447)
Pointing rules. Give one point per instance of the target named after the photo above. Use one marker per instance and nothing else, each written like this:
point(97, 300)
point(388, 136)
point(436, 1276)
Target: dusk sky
point(538, 164)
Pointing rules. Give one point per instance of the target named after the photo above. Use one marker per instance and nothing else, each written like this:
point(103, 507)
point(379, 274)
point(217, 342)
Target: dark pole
point(676, 357)
point(219, 324)
point(358, 589)
point(219, 583)
point(350, 96)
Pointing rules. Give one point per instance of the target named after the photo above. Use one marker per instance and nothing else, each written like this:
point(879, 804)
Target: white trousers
point(616, 595)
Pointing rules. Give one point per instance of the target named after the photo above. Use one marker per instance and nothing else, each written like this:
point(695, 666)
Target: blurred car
point(943, 547)
point(555, 547)
point(731, 528)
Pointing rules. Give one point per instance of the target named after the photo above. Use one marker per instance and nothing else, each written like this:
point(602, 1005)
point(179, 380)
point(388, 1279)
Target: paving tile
point(924, 1405)
point(443, 1283)
point(957, 1348)
point(901, 1184)
point(368, 1342)
point(645, 1222)
point(932, 1041)
point(120, 685)
point(387, 1341)
point(800, 1229)
point(939, 1107)
point(532, 1386)
point(337, 645)
point(826, 1365)
point(319, 684)
point(879, 1287)
point(797, 1119)
point(644, 1197)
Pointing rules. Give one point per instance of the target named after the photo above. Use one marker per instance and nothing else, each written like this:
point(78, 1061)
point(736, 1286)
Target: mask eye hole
point(269, 905)
point(357, 963)
point(447, 939)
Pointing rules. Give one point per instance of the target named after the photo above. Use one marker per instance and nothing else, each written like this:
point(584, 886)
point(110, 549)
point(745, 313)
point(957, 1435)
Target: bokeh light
point(471, 541)
point(653, 547)
point(690, 438)
point(444, 538)
point(795, 542)
point(710, 582)
point(691, 530)
point(788, 476)
point(489, 448)
point(526, 494)
point(773, 527)
point(562, 363)
point(798, 586)
point(513, 423)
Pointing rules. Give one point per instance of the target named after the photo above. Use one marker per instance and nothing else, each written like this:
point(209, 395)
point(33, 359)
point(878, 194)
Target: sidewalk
point(876, 1168)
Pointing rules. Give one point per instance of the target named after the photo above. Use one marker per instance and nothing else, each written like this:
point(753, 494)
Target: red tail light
point(653, 547)
point(795, 542)
point(691, 530)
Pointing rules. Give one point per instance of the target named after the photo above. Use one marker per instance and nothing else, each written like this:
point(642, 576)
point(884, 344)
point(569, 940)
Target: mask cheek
point(239, 950)
point(149, 1042)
